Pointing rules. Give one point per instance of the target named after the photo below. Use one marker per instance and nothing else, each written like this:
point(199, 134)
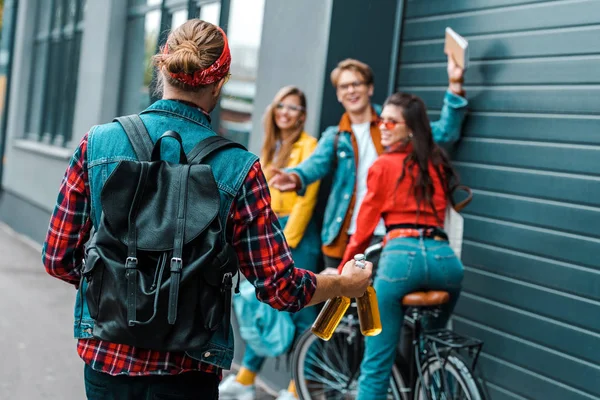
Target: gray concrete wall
point(33, 171)
point(293, 51)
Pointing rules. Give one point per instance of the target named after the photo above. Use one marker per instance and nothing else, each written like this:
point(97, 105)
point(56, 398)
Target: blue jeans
point(306, 256)
point(406, 265)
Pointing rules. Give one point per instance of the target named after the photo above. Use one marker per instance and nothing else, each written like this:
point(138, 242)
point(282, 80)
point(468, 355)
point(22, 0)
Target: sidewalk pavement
point(38, 354)
point(37, 349)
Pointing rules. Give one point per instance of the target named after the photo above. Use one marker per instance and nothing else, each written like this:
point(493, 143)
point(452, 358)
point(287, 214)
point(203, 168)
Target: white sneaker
point(230, 389)
point(285, 395)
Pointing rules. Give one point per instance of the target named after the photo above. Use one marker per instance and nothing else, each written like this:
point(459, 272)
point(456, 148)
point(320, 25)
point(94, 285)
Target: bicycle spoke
point(323, 366)
point(341, 363)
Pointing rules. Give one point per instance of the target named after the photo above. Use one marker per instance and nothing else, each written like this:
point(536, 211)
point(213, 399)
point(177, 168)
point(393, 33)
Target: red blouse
point(397, 205)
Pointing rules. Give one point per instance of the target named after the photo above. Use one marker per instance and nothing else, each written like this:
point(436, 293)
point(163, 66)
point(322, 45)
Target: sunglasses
point(289, 107)
point(389, 124)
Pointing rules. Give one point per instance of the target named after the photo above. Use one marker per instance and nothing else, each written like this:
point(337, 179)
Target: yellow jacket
point(299, 208)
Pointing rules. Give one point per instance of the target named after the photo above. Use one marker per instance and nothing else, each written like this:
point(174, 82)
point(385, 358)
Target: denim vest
point(108, 145)
point(445, 131)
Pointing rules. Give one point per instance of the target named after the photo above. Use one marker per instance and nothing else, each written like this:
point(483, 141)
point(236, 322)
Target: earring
point(410, 135)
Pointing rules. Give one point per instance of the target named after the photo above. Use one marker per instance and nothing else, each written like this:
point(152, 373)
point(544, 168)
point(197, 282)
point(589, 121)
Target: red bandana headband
point(217, 71)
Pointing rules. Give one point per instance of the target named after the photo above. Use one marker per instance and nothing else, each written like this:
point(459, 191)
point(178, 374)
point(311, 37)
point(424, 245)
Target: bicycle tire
point(456, 367)
point(399, 390)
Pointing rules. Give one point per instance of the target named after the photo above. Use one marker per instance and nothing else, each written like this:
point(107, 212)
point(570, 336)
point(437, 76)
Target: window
point(55, 65)
point(237, 101)
point(146, 20)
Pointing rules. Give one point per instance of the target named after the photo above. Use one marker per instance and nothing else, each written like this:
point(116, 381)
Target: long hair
point(424, 151)
point(276, 150)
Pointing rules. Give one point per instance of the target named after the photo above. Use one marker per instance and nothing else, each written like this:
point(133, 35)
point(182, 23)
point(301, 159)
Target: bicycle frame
point(418, 344)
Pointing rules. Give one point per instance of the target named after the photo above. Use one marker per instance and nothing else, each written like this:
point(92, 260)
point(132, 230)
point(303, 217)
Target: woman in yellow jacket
point(285, 145)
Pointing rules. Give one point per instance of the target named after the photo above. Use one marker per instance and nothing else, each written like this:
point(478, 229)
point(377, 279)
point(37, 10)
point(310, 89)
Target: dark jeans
point(186, 386)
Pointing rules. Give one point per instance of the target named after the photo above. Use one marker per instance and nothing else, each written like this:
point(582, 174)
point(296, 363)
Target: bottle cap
point(359, 257)
point(359, 261)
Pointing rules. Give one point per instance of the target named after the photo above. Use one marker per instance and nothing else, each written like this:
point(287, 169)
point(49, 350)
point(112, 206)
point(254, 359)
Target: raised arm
point(447, 129)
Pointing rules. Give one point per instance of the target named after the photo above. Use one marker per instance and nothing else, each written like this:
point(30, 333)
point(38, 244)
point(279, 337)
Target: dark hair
point(424, 151)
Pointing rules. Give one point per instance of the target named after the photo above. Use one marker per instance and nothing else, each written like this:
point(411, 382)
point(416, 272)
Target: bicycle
point(432, 365)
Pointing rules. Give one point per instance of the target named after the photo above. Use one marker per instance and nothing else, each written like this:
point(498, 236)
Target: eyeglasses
point(289, 107)
point(389, 124)
point(355, 85)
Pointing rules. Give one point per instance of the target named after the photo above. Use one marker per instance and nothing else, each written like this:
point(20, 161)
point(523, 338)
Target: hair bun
point(187, 47)
point(184, 58)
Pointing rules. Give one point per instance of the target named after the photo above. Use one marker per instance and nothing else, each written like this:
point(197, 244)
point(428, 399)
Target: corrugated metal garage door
point(531, 151)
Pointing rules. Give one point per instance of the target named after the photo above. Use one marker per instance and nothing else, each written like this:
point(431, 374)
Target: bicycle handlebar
point(372, 249)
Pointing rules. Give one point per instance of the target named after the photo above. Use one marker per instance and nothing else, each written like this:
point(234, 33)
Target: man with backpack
point(176, 212)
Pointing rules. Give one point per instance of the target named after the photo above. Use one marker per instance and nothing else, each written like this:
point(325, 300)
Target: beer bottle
point(330, 316)
point(368, 309)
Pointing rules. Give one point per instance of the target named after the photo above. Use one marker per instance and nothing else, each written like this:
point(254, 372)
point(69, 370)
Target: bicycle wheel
point(329, 370)
point(455, 375)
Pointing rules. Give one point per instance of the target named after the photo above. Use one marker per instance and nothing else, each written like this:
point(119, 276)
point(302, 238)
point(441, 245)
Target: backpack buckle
point(227, 282)
point(176, 264)
point(131, 262)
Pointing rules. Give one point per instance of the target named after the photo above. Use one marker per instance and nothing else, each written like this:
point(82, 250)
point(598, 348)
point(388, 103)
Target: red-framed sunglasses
point(389, 124)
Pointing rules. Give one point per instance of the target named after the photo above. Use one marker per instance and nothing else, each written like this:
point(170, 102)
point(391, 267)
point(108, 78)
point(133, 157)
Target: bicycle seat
point(426, 299)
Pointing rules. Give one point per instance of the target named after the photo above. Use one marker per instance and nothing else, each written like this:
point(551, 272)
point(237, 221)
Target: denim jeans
point(306, 256)
point(189, 385)
point(406, 265)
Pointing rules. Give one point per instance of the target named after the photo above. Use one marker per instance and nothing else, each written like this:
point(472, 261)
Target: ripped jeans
point(406, 265)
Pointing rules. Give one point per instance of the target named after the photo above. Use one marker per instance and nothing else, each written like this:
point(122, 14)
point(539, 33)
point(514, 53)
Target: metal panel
point(572, 99)
point(557, 245)
point(543, 213)
point(529, 326)
point(540, 184)
point(419, 8)
point(534, 299)
point(566, 277)
point(559, 42)
point(582, 377)
point(530, 71)
point(530, 152)
point(521, 381)
point(572, 158)
point(555, 128)
point(528, 17)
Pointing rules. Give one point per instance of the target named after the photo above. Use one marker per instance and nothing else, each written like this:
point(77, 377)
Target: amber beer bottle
point(330, 316)
point(368, 309)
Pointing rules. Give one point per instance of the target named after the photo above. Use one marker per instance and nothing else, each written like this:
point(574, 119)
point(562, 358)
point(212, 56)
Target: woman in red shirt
point(409, 186)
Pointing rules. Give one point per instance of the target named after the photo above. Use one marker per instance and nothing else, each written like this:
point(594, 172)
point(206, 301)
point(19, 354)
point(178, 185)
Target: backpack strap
point(138, 136)
point(176, 260)
point(208, 146)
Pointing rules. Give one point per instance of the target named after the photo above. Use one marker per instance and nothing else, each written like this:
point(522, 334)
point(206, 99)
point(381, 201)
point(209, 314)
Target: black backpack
point(158, 268)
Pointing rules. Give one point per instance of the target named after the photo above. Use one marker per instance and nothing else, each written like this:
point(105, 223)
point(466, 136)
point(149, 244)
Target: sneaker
point(230, 389)
point(285, 395)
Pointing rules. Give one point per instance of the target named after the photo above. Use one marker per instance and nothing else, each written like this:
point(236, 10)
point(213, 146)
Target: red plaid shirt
point(263, 254)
